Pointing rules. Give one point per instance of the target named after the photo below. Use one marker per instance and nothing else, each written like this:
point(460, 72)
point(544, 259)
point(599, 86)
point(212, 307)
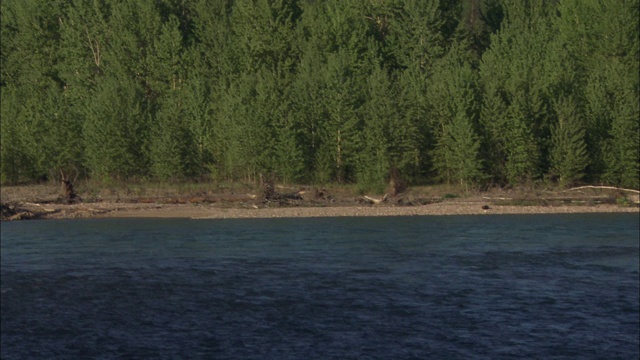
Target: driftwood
point(11, 212)
point(496, 198)
point(376, 201)
point(602, 187)
point(268, 191)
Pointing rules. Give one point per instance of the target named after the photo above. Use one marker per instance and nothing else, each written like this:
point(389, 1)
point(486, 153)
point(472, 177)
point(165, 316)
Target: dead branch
point(94, 50)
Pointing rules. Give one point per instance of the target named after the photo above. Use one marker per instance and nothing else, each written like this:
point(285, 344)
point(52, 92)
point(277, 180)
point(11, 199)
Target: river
point(457, 287)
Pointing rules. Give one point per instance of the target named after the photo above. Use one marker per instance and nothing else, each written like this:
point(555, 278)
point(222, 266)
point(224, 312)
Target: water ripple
point(339, 295)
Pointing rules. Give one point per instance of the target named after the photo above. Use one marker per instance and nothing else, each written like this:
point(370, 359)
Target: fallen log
point(376, 201)
point(601, 187)
point(23, 215)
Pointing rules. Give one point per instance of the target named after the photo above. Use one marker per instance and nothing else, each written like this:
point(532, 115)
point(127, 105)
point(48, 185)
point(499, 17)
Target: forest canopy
point(472, 92)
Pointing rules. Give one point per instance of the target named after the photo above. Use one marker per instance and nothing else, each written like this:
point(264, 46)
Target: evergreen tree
point(376, 140)
point(307, 107)
point(569, 157)
point(456, 155)
point(266, 33)
point(321, 91)
point(478, 20)
point(523, 155)
point(516, 111)
point(288, 150)
point(494, 121)
point(173, 152)
point(452, 94)
point(417, 34)
point(342, 101)
point(17, 160)
point(245, 135)
point(115, 130)
point(166, 140)
point(602, 39)
point(41, 135)
point(199, 117)
point(338, 32)
point(623, 149)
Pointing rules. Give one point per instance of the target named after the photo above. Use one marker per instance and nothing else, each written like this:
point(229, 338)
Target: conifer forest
point(469, 92)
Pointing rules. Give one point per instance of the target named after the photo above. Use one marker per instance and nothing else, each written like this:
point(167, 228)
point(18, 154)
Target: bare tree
point(69, 195)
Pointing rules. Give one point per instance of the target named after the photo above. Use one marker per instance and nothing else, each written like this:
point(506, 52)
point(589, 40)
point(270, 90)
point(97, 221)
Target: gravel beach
point(21, 203)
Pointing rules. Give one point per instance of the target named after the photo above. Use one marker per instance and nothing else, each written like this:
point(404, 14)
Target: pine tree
point(321, 91)
point(338, 33)
point(16, 158)
point(417, 34)
point(516, 114)
point(405, 134)
point(478, 20)
point(456, 155)
point(379, 115)
point(265, 31)
point(454, 108)
point(342, 101)
point(569, 157)
point(494, 121)
point(602, 39)
point(115, 130)
point(623, 148)
point(308, 109)
point(41, 133)
point(522, 151)
point(199, 117)
point(172, 150)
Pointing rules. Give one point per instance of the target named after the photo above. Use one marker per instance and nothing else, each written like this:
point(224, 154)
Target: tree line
point(473, 92)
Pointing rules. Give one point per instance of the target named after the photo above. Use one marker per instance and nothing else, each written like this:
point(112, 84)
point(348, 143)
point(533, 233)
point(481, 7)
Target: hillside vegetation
point(467, 92)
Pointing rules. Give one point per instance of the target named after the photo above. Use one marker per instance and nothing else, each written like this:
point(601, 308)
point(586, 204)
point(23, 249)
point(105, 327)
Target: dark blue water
point(462, 287)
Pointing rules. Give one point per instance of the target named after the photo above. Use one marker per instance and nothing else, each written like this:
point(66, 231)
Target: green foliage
point(623, 152)
point(623, 201)
point(456, 156)
point(516, 113)
point(342, 102)
point(502, 91)
point(416, 33)
point(379, 115)
point(114, 131)
point(16, 161)
point(172, 150)
point(601, 38)
point(453, 98)
point(569, 157)
point(522, 151)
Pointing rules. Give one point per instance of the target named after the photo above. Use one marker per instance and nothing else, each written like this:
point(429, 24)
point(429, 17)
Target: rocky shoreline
point(45, 202)
point(475, 206)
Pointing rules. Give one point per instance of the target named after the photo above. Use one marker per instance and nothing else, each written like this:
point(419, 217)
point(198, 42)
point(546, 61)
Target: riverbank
point(43, 202)
point(447, 208)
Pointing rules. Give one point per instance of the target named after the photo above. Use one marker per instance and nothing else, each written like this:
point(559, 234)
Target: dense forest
point(472, 92)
